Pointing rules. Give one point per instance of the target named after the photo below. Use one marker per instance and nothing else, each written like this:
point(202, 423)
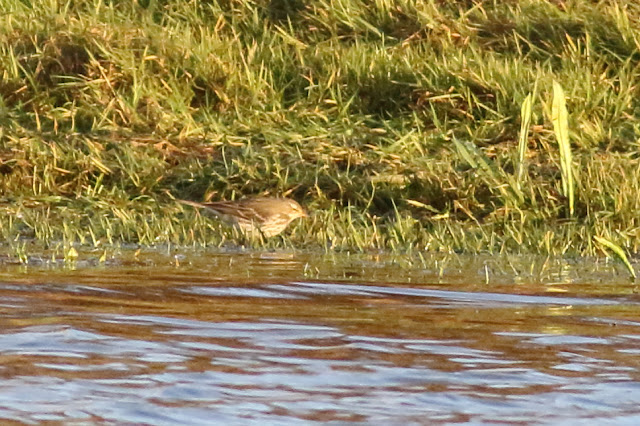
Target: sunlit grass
point(404, 126)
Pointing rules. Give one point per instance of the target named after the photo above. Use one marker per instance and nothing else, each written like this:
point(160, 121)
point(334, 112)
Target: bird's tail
point(191, 203)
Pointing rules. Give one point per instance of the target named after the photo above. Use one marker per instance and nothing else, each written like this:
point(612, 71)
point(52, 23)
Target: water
point(294, 339)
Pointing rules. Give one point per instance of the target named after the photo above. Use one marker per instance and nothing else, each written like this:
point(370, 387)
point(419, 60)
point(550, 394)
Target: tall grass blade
point(559, 117)
point(525, 117)
point(617, 250)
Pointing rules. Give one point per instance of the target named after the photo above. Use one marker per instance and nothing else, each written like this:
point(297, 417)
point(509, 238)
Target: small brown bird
point(268, 215)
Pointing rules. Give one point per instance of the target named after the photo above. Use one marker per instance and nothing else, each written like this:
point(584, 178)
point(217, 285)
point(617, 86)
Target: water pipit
point(266, 215)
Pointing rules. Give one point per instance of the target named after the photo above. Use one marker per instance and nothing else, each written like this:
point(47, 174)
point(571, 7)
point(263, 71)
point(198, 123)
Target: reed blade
point(525, 117)
point(617, 250)
point(559, 117)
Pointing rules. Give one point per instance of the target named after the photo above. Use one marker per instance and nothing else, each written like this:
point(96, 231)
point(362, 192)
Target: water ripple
point(268, 345)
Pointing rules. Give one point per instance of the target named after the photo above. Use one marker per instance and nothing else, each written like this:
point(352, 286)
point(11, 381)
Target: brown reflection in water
point(400, 317)
point(253, 318)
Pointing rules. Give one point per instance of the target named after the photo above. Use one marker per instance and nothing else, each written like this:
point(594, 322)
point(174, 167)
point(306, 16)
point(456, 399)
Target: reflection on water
point(284, 339)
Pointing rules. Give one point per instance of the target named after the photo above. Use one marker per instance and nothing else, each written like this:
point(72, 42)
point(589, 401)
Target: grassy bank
point(396, 123)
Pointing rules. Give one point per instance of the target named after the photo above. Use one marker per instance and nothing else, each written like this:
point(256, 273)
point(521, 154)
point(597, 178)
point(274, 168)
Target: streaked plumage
point(270, 216)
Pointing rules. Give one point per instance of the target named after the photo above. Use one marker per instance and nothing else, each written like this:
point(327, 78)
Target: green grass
point(400, 125)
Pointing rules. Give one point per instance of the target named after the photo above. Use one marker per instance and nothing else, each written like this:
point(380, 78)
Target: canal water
point(281, 338)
